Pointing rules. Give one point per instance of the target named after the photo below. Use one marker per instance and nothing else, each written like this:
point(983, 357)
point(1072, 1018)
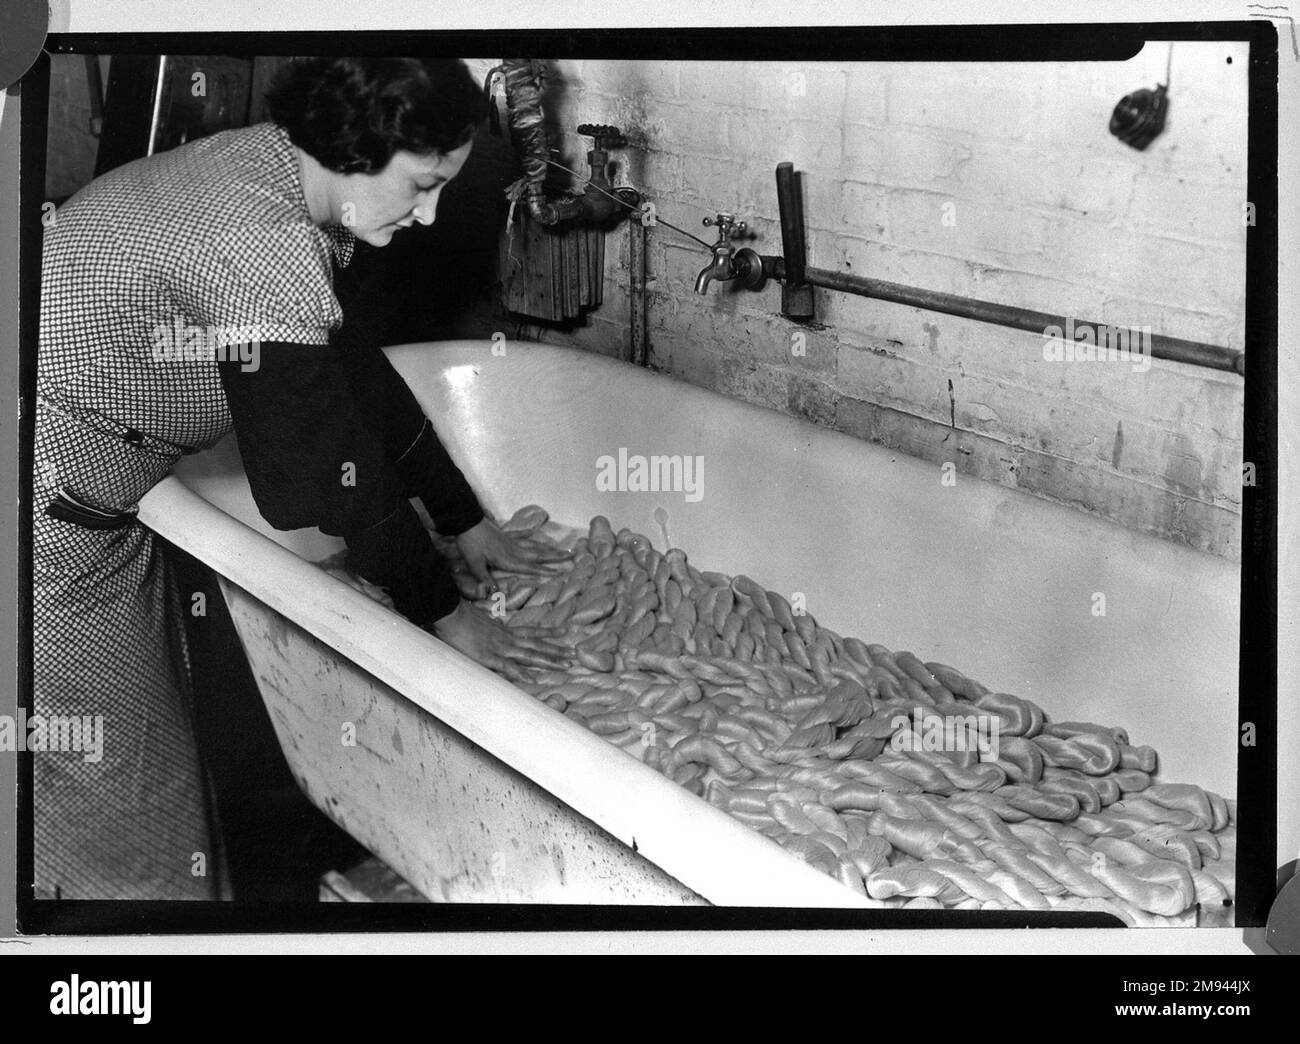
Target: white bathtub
point(473, 791)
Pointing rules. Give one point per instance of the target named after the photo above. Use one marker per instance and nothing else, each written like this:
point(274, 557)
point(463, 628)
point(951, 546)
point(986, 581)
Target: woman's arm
point(311, 460)
point(385, 400)
point(418, 455)
point(421, 461)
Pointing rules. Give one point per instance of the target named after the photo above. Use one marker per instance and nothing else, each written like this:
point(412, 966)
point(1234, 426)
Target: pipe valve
point(727, 226)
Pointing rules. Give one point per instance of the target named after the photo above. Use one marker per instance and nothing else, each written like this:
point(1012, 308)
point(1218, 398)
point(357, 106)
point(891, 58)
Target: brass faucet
point(723, 266)
point(729, 263)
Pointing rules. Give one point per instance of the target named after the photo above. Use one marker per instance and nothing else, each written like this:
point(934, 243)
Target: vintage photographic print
point(732, 478)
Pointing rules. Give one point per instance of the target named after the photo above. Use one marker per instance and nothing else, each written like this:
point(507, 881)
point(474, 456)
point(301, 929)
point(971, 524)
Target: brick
point(905, 156)
point(714, 320)
point(896, 430)
point(1053, 418)
point(1179, 206)
point(655, 173)
point(698, 128)
point(901, 383)
point(1063, 293)
point(820, 191)
point(923, 158)
point(974, 231)
point(895, 264)
point(812, 400)
point(700, 79)
point(744, 323)
point(865, 94)
point(1225, 328)
point(821, 195)
point(1091, 433)
point(656, 79)
point(754, 382)
point(762, 234)
point(813, 90)
point(1213, 140)
point(682, 264)
point(757, 194)
point(750, 194)
point(1169, 394)
point(1141, 265)
point(996, 104)
point(1081, 126)
point(653, 122)
point(821, 354)
point(864, 208)
point(1129, 502)
point(768, 139)
point(687, 318)
point(1083, 182)
point(711, 182)
point(694, 363)
point(818, 350)
point(603, 337)
point(1015, 237)
point(865, 150)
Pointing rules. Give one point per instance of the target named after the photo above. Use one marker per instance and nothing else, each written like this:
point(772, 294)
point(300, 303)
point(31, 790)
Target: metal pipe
point(787, 201)
point(158, 88)
point(1177, 349)
point(638, 346)
point(796, 296)
point(522, 78)
point(799, 279)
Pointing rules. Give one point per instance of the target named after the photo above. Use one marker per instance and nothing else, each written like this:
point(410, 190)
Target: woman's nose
point(427, 209)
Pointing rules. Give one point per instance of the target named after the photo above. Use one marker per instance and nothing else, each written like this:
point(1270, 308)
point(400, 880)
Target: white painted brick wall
point(1052, 213)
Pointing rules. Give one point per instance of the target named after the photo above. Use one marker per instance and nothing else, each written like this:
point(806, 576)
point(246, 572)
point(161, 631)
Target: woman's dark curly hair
point(352, 114)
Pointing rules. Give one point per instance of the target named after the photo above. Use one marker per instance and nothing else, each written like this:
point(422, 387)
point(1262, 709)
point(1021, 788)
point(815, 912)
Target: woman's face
point(374, 206)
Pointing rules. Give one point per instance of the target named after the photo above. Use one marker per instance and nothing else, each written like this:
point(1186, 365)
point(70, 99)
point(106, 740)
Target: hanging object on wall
point(1140, 116)
point(553, 245)
point(551, 273)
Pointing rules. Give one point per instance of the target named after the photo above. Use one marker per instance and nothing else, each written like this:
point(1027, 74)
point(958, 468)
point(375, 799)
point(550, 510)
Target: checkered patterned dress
point(210, 244)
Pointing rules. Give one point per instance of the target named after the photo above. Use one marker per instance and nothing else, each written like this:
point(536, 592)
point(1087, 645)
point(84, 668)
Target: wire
point(1169, 64)
point(624, 203)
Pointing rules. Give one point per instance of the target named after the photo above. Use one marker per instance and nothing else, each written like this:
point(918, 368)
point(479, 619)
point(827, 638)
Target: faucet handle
point(604, 136)
point(727, 225)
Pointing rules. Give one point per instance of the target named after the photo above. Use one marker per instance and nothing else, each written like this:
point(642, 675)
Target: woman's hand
point(488, 545)
point(500, 648)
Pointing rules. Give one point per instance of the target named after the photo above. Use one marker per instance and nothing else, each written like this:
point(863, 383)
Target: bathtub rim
point(721, 859)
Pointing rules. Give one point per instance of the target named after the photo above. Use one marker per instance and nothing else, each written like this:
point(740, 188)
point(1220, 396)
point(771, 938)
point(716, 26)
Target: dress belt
point(131, 460)
point(67, 507)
